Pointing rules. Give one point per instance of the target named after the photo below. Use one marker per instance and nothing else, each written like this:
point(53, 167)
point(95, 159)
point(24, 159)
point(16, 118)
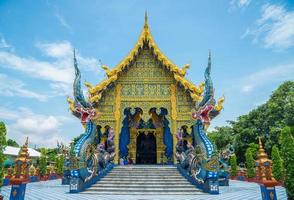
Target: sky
point(252, 45)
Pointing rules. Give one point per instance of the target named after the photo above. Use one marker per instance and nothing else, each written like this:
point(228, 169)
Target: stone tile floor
point(53, 190)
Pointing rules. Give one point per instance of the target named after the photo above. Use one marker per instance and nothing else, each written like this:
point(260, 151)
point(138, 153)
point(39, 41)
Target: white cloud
point(59, 72)
point(278, 73)
point(3, 43)
point(63, 22)
point(13, 87)
point(56, 50)
point(43, 130)
point(275, 27)
point(239, 3)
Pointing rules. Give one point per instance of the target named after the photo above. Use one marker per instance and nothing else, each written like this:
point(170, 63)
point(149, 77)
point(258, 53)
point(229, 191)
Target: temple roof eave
point(95, 92)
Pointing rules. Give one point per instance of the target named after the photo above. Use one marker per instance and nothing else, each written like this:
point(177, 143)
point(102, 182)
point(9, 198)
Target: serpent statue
point(201, 162)
point(91, 158)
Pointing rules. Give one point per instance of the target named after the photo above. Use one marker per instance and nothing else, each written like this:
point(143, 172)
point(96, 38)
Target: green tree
point(287, 152)
point(43, 162)
point(221, 137)
point(266, 121)
point(233, 163)
point(277, 163)
point(249, 164)
point(60, 165)
point(253, 147)
point(12, 143)
point(3, 144)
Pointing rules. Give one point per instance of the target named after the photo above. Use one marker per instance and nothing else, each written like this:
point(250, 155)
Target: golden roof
point(24, 152)
point(95, 92)
point(262, 156)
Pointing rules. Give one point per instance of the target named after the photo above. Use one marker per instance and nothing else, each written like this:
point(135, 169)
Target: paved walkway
point(53, 190)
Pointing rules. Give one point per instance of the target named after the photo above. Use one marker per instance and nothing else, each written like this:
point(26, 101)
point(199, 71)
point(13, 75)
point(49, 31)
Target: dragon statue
point(224, 157)
point(91, 158)
point(200, 160)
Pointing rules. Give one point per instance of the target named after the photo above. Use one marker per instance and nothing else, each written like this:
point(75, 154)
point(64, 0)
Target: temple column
point(173, 100)
point(117, 117)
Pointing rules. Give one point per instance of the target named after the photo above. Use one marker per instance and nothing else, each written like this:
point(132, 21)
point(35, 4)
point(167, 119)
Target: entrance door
point(146, 148)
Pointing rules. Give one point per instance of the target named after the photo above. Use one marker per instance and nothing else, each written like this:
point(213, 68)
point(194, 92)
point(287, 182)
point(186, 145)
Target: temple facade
point(145, 101)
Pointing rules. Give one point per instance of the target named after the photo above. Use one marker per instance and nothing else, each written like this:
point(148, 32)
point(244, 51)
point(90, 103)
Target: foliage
point(59, 164)
point(221, 137)
point(43, 162)
point(52, 154)
point(233, 163)
point(249, 164)
point(266, 121)
point(12, 143)
point(287, 152)
point(3, 144)
point(253, 147)
point(277, 163)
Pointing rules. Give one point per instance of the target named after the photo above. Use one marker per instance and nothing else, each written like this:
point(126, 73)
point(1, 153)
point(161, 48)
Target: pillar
point(117, 117)
point(173, 100)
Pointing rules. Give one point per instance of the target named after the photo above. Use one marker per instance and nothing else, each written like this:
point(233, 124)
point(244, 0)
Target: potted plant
point(3, 145)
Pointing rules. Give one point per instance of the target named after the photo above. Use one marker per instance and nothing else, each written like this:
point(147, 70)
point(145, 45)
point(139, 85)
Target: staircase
point(143, 180)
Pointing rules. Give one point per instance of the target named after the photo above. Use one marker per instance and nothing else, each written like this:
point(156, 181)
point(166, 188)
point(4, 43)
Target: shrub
point(249, 163)
point(287, 151)
point(43, 162)
point(277, 163)
point(233, 163)
point(3, 144)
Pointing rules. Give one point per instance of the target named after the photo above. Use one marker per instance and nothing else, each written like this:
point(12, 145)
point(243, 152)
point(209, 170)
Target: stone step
point(141, 193)
point(170, 182)
point(142, 179)
point(128, 186)
point(140, 171)
point(144, 176)
point(135, 185)
point(115, 189)
point(145, 166)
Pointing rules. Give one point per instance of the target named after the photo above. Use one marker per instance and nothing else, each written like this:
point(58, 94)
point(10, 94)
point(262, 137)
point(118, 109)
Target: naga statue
point(224, 157)
point(200, 159)
point(91, 158)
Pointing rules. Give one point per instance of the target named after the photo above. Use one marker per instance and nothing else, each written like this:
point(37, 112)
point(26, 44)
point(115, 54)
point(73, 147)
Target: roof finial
point(74, 54)
point(27, 141)
point(209, 56)
point(146, 19)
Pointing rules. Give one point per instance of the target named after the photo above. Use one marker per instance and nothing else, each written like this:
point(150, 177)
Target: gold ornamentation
point(145, 37)
point(173, 100)
point(88, 85)
point(71, 104)
point(219, 105)
point(117, 117)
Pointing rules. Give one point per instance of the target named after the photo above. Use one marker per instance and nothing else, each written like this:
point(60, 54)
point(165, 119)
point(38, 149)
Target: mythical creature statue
point(201, 161)
point(224, 157)
point(88, 156)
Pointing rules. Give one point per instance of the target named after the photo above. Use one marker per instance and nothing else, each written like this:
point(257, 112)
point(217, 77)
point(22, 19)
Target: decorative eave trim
point(95, 92)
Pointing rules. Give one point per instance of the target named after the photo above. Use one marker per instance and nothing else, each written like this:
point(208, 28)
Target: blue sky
point(251, 42)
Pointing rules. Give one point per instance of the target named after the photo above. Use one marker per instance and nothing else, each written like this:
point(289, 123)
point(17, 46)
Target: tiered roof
point(95, 92)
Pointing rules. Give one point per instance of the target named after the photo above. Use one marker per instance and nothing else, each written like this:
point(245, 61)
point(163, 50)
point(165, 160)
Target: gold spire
point(262, 156)
point(24, 151)
point(146, 19)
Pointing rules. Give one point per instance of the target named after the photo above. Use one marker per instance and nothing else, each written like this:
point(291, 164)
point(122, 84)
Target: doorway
point(146, 147)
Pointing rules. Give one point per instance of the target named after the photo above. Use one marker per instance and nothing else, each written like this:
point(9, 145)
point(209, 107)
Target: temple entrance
point(146, 147)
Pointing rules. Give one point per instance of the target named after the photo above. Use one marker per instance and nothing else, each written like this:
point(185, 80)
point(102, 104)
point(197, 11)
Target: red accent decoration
point(203, 114)
point(86, 114)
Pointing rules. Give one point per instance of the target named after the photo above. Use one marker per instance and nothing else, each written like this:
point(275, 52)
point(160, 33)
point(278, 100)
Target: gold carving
point(117, 117)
